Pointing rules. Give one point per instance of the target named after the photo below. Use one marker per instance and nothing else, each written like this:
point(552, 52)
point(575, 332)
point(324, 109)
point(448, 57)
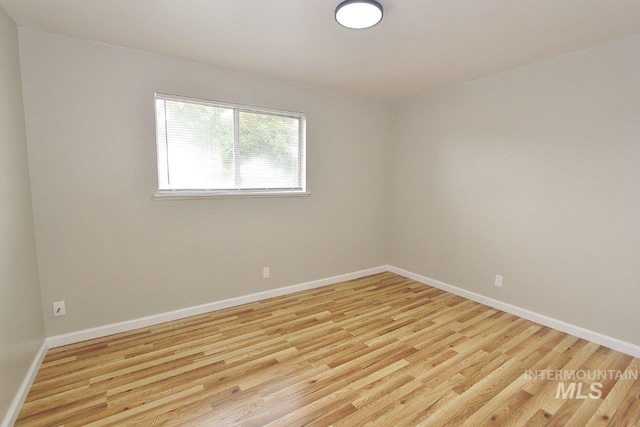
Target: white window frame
point(236, 193)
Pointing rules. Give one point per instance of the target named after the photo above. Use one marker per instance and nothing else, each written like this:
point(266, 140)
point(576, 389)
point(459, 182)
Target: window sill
point(192, 195)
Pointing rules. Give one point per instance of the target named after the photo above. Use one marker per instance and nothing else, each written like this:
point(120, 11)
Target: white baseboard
point(14, 409)
point(73, 337)
point(114, 328)
point(596, 337)
point(101, 331)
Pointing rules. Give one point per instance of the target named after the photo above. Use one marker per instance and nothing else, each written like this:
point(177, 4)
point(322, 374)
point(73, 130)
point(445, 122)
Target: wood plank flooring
point(382, 350)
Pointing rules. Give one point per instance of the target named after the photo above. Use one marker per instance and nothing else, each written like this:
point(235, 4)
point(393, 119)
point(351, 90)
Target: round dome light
point(359, 14)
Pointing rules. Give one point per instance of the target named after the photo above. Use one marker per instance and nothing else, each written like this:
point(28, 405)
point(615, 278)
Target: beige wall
point(113, 253)
point(21, 330)
point(533, 174)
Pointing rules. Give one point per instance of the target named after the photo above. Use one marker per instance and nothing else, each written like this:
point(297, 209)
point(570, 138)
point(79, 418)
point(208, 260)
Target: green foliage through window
point(222, 147)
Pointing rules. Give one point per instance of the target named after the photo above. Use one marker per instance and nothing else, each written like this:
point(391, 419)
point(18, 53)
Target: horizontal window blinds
point(208, 146)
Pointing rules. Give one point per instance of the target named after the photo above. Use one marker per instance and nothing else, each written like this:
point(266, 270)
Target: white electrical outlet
point(59, 309)
point(498, 282)
point(265, 272)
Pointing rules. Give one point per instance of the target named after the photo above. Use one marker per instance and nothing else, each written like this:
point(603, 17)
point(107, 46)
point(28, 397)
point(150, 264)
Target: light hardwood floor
point(382, 350)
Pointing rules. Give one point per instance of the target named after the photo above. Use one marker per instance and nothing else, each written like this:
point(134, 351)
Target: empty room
point(326, 213)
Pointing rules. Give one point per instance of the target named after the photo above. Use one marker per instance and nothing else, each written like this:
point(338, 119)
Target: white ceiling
point(420, 45)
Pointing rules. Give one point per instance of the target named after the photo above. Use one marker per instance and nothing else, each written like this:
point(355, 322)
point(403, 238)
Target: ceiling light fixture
point(359, 14)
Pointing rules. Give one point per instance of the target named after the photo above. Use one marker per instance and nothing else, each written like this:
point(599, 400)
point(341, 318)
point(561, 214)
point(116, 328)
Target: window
point(211, 148)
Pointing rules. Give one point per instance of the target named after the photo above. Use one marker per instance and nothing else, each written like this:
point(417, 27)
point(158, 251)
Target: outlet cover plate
point(59, 308)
